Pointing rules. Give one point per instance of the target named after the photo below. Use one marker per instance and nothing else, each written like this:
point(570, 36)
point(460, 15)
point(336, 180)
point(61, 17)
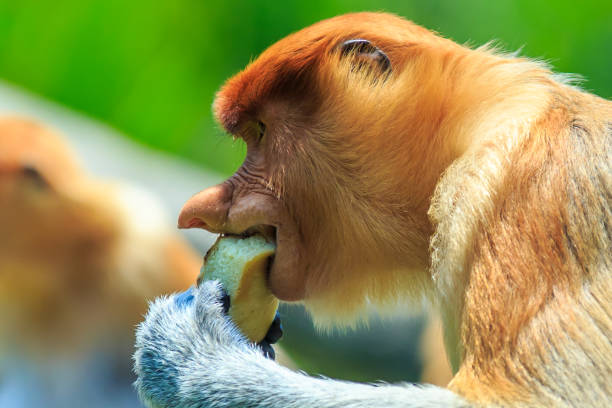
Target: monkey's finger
point(225, 301)
point(267, 349)
point(184, 299)
point(275, 332)
point(211, 301)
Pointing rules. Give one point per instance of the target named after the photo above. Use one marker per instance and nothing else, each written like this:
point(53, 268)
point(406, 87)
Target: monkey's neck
point(500, 110)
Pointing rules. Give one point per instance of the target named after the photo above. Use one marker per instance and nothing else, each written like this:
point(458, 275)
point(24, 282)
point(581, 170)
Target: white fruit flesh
point(240, 264)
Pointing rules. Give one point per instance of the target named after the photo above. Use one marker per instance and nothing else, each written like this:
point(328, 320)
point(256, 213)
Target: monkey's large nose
point(208, 209)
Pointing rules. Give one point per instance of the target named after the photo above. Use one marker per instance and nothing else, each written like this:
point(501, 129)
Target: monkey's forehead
point(24, 142)
point(288, 65)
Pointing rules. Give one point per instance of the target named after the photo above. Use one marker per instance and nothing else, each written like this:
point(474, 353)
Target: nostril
point(193, 223)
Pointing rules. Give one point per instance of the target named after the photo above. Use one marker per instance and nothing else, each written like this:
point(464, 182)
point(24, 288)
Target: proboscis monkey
point(389, 163)
point(79, 258)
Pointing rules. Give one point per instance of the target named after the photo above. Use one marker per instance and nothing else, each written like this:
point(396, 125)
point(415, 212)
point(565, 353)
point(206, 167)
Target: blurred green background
point(151, 68)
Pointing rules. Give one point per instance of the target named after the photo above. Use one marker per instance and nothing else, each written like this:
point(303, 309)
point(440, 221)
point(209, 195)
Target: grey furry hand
point(181, 334)
point(190, 355)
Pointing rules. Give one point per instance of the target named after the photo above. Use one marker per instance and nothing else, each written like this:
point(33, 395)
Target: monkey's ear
point(366, 53)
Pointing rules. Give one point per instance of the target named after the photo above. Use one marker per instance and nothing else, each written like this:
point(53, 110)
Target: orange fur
point(526, 278)
point(477, 179)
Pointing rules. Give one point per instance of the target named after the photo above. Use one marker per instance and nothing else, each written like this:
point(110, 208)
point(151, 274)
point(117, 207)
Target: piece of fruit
point(241, 264)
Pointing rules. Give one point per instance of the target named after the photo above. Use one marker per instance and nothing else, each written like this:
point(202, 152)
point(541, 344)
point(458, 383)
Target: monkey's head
point(56, 229)
point(338, 119)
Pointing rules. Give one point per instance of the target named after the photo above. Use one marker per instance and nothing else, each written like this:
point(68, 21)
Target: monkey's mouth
point(286, 271)
point(266, 231)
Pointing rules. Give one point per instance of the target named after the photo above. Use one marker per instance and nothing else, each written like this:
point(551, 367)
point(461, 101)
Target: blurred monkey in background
point(79, 258)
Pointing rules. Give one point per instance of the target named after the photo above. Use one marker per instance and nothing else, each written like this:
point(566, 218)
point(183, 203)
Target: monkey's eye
point(261, 129)
point(32, 175)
